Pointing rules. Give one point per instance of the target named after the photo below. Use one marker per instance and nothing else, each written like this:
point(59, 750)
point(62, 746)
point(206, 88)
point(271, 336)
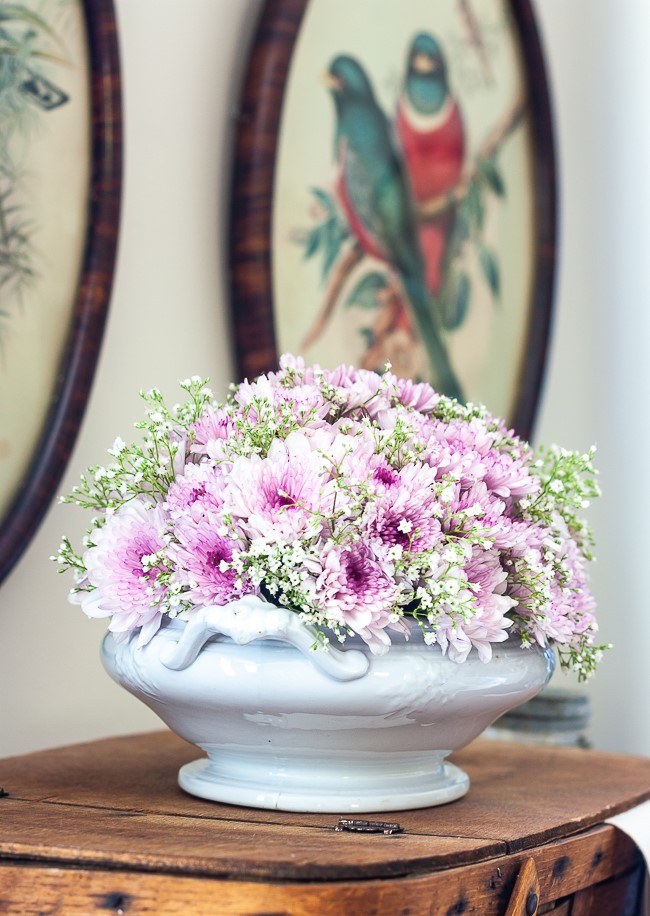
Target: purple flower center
point(196, 493)
point(278, 497)
point(214, 559)
point(216, 554)
point(140, 548)
point(357, 571)
point(361, 573)
point(284, 501)
point(391, 534)
point(386, 476)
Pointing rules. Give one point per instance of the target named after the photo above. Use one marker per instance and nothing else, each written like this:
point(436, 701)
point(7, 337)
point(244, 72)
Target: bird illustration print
point(431, 133)
point(374, 193)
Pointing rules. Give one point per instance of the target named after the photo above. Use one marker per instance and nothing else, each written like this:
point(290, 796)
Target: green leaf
point(490, 268)
point(368, 336)
point(325, 199)
point(461, 227)
point(365, 293)
point(332, 240)
point(12, 12)
point(313, 242)
point(492, 174)
point(475, 208)
point(456, 302)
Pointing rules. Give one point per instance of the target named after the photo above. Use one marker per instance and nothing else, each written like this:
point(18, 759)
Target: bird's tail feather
point(443, 376)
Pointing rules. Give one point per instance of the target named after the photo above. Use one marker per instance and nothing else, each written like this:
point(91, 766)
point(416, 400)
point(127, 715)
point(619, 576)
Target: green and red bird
point(432, 136)
point(373, 190)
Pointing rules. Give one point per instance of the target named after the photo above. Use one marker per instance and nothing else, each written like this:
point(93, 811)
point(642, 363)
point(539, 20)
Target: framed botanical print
point(394, 195)
point(60, 172)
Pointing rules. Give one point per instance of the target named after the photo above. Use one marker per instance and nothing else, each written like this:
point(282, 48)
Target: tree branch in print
point(475, 39)
point(25, 42)
point(343, 267)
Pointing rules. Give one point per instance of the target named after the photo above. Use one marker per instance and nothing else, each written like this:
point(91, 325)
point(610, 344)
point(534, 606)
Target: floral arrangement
point(355, 499)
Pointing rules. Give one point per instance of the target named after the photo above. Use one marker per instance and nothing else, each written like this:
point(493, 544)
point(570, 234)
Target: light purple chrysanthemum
point(356, 589)
point(125, 588)
point(473, 435)
point(473, 503)
point(280, 497)
point(348, 447)
point(211, 431)
point(197, 491)
point(202, 554)
point(419, 396)
point(294, 367)
point(451, 452)
point(509, 477)
point(305, 402)
point(260, 390)
point(303, 398)
point(490, 625)
point(515, 537)
point(405, 513)
point(570, 611)
point(360, 390)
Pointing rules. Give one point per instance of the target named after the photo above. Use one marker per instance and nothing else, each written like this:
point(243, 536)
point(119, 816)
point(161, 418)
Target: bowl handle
point(250, 618)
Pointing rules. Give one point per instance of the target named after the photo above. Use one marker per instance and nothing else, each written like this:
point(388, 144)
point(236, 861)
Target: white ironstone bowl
point(300, 730)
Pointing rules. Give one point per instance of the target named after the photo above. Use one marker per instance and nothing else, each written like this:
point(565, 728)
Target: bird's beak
point(422, 63)
point(332, 82)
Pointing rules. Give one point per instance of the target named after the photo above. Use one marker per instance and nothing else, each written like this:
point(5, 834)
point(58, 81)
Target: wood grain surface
point(520, 797)
point(103, 827)
point(485, 889)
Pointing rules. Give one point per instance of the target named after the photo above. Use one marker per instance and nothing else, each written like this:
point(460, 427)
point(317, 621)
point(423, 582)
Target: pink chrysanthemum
point(197, 491)
point(360, 389)
point(211, 432)
point(125, 587)
point(419, 396)
point(471, 505)
point(406, 511)
point(385, 477)
point(356, 589)
point(485, 573)
point(202, 555)
point(280, 497)
point(508, 477)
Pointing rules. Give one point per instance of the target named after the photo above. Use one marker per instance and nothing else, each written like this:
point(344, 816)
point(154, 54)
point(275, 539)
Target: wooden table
point(102, 828)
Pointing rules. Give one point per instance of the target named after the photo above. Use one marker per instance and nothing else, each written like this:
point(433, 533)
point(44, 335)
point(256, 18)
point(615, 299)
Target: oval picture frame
point(65, 403)
point(260, 191)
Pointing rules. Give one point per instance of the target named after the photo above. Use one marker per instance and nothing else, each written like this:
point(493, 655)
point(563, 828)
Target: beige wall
point(598, 387)
point(181, 63)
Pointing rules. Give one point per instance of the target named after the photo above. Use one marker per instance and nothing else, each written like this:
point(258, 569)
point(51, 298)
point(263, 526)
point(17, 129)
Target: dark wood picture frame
point(252, 198)
point(78, 363)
